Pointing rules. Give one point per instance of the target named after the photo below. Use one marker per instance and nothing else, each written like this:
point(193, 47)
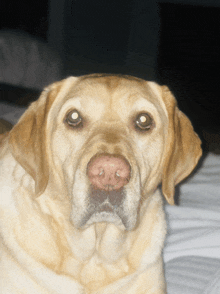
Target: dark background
point(188, 54)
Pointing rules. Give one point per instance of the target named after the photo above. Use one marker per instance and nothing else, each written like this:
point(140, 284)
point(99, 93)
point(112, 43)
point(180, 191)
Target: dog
point(82, 176)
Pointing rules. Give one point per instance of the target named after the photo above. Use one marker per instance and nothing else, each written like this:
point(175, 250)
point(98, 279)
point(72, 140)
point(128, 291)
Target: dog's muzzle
point(108, 174)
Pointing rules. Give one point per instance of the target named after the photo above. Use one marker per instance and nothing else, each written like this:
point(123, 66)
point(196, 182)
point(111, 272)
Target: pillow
point(26, 61)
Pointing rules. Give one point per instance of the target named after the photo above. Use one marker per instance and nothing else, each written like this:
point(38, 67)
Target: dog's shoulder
point(11, 172)
point(4, 147)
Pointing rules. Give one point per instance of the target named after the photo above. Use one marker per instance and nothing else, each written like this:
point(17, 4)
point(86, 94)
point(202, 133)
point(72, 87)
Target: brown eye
point(74, 119)
point(144, 121)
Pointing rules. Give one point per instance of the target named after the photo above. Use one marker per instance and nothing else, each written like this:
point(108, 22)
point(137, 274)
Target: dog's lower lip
point(103, 212)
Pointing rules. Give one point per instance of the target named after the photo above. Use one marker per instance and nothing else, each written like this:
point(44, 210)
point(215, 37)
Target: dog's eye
point(144, 121)
point(74, 119)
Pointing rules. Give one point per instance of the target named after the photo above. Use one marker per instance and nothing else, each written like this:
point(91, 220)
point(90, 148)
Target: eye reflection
point(144, 121)
point(74, 119)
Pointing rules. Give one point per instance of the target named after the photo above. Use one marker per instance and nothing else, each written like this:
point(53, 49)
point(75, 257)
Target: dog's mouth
point(106, 206)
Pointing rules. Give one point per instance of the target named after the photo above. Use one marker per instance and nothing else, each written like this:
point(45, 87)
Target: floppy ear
point(183, 147)
point(27, 139)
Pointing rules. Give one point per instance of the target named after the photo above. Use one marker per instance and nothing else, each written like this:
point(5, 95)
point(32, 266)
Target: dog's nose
point(108, 172)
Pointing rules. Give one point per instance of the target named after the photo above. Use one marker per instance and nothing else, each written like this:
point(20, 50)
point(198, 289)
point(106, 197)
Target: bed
point(192, 250)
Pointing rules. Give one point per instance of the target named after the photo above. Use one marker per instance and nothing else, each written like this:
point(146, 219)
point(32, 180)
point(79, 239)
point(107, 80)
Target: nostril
point(102, 172)
point(108, 172)
point(117, 174)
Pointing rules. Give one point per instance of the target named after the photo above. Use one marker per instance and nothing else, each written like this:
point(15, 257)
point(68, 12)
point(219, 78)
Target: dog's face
point(105, 143)
point(102, 124)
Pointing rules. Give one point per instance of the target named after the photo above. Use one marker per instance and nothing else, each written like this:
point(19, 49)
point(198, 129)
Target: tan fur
point(45, 189)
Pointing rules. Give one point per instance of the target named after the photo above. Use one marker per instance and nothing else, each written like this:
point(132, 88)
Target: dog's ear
point(27, 139)
point(182, 150)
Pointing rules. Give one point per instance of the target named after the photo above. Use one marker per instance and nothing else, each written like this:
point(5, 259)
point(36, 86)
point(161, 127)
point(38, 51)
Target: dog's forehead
point(110, 87)
point(111, 84)
point(114, 94)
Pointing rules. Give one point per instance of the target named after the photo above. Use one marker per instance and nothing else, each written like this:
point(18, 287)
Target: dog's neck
point(111, 253)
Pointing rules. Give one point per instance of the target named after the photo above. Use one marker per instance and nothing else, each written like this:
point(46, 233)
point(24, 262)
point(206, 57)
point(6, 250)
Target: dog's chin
point(106, 207)
point(106, 216)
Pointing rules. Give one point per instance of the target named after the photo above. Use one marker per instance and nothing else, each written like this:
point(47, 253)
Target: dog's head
point(104, 143)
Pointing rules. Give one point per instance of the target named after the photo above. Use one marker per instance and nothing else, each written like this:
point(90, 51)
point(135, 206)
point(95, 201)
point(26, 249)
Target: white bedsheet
point(192, 249)
point(194, 225)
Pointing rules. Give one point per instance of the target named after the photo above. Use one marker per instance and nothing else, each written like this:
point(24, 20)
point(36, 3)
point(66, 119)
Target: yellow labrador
point(80, 208)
